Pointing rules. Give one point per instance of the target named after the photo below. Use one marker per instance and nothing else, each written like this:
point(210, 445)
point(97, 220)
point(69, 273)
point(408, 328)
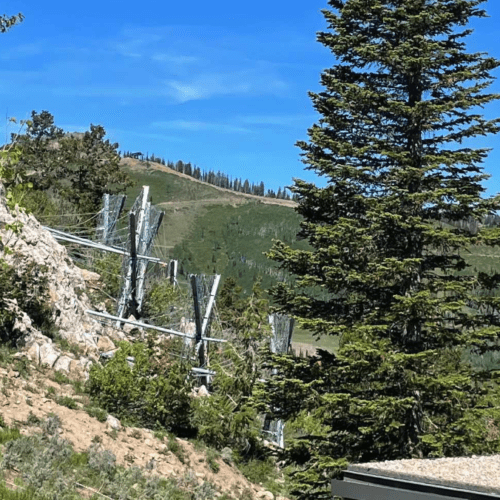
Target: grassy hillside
point(214, 230)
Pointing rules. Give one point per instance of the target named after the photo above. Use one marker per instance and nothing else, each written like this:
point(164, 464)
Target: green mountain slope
point(214, 230)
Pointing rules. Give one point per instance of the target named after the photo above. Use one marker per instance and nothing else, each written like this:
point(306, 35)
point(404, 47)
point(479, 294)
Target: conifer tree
point(384, 274)
point(7, 22)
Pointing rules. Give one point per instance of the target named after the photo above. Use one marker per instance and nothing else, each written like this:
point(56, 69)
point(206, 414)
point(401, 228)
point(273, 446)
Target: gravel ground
point(478, 473)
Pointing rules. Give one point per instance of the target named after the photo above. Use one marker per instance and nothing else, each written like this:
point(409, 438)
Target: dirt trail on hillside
point(207, 201)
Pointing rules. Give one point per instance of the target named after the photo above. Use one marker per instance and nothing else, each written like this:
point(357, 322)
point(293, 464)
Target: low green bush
point(7, 434)
point(97, 413)
point(28, 286)
point(60, 378)
point(160, 296)
point(212, 457)
point(141, 395)
point(177, 449)
point(68, 402)
point(20, 494)
point(108, 266)
point(264, 472)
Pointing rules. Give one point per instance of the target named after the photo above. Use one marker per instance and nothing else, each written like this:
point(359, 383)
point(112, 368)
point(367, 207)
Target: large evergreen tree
point(384, 274)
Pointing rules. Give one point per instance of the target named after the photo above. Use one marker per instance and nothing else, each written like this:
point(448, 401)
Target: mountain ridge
point(136, 164)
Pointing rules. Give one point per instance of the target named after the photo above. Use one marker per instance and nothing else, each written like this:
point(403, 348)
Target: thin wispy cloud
point(183, 64)
point(202, 62)
point(135, 44)
point(174, 78)
point(174, 59)
point(21, 51)
point(239, 124)
point(274, 120)
point(205, 86)
point(133, 134)
point(199, 126)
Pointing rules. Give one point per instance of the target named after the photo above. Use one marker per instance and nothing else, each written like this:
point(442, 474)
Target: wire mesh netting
point(147, 219)
point(204, 284)
point(177, 316)
point(282, 327)
point(108, 218)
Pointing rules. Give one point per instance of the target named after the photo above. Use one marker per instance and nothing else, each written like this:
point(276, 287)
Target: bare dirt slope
point(131, 446)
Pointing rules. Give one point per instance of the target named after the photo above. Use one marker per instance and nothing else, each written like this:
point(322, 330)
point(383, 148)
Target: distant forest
point(223, 180)
point(218, 178)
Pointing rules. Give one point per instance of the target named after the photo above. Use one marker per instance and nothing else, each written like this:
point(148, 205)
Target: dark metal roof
point(369, 486)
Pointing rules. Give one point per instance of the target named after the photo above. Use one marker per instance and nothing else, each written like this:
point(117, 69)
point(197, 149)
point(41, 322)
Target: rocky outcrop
point(29, 245)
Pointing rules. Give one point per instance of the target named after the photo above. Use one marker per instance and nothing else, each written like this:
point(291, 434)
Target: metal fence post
point(202, 319)
point(172, 272)
point(133, 267)
point(282, 329)
point(105, 228)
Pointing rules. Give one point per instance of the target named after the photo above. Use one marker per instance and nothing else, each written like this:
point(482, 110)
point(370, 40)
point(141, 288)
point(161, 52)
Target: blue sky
point(222, 84)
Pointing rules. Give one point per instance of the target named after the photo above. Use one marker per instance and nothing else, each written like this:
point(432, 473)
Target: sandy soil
point(132, 446)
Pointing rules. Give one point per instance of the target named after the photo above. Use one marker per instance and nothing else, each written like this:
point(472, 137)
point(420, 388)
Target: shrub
point(26, 494)
point(212, 455)
point(60, 378)
point(51, 424)
point(108, 266)
point(33, 419)
point(28, 286)
point(97, 413)
point(141, 395)
point(264, 472)
point(160, 297)
point(101, 461)
point(177, 449)
point(22, 366)
point(50, 469)
point(51, 391)
point(78, 386)
point(68, 402)
point(9, 435)
point(220, 423)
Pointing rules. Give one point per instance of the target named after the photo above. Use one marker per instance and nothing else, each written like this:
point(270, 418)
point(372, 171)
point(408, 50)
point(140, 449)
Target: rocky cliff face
point(29, 246)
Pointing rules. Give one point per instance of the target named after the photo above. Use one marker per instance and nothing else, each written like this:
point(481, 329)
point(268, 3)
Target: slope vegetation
point(215, 230)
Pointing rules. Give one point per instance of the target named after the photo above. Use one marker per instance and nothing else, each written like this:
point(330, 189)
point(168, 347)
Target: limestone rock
point(105, 344)
point(114, 334)
point(34, 353)
point(113, 423)
point(77, 370)
point(227, 455)
point(265, 495)
point(90, 277)
point(202, 391)
point(48, 355)
point(32, 245)
point(63, 364)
